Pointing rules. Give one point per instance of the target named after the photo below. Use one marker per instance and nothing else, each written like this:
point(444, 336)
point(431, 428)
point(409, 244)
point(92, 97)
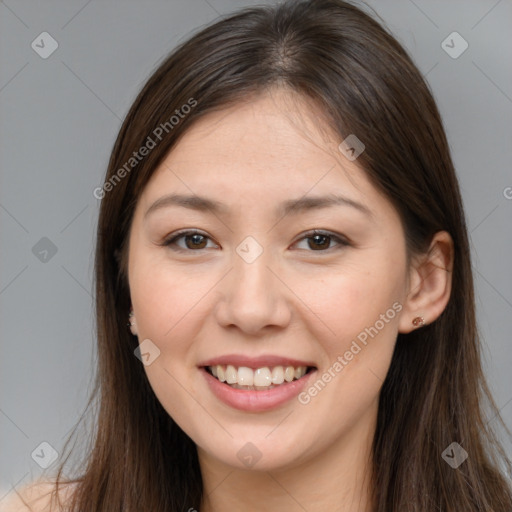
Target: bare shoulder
point(39, 496)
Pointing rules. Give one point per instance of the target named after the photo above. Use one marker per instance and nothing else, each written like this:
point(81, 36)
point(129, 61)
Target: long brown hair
point(365, 83)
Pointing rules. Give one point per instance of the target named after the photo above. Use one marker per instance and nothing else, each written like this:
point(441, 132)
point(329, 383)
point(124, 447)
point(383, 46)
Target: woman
point(285, 304)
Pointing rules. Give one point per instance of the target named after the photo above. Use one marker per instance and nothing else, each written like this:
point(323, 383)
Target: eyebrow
point(289, 207)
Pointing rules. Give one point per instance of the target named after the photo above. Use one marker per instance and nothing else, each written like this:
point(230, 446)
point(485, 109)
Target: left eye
point(194, 240)
point(321, 241)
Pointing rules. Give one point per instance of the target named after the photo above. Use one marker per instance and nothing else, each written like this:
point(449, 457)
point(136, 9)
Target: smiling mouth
point(259, 379)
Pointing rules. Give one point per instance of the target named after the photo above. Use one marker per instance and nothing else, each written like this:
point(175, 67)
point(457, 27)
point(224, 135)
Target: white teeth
point(246, 376)
point(251, 388)
point(289, 373)
point(277, 375)
point(231, 374)
point(261, 378)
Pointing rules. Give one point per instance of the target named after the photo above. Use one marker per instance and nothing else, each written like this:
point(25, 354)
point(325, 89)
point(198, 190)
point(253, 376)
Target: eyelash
point(340, 240)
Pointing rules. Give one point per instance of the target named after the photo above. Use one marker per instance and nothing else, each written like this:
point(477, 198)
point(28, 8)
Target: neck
point(337, 478)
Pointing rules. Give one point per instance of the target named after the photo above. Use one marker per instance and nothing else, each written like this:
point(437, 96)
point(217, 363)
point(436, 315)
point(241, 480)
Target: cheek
point(362, 320)
point(169, 307)
point(358, 312)
point(348, 303)
point(164, 296)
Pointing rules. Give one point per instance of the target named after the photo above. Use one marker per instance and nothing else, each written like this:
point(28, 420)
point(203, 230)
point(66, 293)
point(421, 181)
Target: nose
point(253, 297)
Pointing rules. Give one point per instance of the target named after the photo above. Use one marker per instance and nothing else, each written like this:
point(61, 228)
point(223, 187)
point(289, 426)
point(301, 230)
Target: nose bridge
point(251, 276)
point(252, 296)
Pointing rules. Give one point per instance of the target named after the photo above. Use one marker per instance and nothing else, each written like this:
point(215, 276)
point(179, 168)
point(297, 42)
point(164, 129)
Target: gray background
point(60, 115)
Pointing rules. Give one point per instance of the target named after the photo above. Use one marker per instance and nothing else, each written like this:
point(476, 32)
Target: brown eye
point(319, 241)
point(194, 241)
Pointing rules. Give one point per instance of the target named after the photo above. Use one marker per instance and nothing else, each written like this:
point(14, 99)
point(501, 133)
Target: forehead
point(268, 149)
point(278, 129)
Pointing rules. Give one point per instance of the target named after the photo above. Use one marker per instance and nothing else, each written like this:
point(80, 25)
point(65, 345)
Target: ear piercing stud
point(418, 321)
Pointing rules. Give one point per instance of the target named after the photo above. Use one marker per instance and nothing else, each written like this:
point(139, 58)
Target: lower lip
point(256, 401)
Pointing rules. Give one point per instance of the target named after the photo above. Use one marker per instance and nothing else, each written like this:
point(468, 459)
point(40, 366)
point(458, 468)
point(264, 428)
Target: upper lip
point(255, 362)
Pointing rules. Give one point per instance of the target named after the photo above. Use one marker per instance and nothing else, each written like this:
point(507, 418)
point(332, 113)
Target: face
point(269, 275)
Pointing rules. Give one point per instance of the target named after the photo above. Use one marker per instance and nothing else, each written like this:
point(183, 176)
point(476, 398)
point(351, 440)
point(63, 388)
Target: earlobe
point(430, 284)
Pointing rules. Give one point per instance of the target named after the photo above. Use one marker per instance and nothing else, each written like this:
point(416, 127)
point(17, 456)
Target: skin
point(295, 299)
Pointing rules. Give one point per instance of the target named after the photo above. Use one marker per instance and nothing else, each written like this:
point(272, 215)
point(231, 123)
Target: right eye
point(194, 241)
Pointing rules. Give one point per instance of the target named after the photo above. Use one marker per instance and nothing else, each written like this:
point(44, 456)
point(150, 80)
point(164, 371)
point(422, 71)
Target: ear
point(430, 283)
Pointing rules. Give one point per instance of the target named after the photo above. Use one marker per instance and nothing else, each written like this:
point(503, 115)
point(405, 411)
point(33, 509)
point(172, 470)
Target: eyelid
point(341, 240)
